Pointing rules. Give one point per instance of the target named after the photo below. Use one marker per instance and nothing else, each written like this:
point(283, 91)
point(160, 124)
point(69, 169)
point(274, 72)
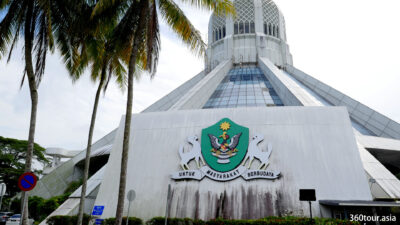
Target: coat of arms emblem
point(224, 145)
point(223, 153)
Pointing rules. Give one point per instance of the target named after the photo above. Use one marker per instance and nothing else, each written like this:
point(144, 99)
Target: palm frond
point(9, 24)
point(103, 5)
point(123, 33)
point(4, 3)
point(181, 25)
point(41, 46)
point(153, 40)
point(15, 39)
point(218, 6)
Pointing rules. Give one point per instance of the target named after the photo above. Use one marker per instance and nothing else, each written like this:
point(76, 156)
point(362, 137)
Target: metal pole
point(310, 212)
point(127, 215)
point(25, 198)
point(1, 198)
point(167, 207)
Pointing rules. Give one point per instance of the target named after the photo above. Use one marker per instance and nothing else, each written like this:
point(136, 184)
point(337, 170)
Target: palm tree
point(85, 42)
point(138, 31)
point(30, 19)
point(103, 62)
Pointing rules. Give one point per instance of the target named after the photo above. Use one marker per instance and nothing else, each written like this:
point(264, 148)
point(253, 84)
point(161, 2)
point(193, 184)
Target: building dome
point(258, 30)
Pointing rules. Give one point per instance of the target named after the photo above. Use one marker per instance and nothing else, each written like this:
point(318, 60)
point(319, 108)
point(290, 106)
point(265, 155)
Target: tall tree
point(105, 63)
point(36, 21)
point(91, 36)
point(138, 31)
point(32, 19)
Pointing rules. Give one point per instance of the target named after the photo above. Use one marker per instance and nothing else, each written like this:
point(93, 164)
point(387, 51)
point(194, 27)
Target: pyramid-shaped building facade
point(241, 138)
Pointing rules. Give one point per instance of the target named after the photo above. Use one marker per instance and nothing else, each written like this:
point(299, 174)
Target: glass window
point(236, 28)
point(241, 28)
point(246, 28)
point(273, 30)
point(241, 101)
point(220, 33)
point(269, 30)
point(252, 28)
point(242, 88)
point(223, 32)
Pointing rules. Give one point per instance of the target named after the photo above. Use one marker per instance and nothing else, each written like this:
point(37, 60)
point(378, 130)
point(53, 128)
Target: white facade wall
point(313, 147)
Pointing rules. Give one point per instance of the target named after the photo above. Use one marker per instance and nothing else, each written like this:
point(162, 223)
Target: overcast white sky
point(352, 45)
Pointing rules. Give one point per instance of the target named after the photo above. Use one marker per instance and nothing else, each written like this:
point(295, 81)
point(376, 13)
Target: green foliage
point(67, 220)
point(12, 161)
point(265, 221)
point(15, 205)
point(40, 208)
point(132, 221)
point(289, 220)
point(71, 220)
point(174, 221)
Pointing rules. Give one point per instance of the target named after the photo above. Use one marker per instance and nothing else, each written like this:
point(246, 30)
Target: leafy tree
point(41, 208)
point(87, 44)
point(138, 31)
point(12, 161)
point(35, 21)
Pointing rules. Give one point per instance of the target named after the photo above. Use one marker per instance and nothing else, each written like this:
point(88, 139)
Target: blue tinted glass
point(244, 87)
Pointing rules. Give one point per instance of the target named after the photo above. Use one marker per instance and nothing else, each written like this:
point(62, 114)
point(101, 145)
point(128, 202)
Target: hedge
point(132, 221)
point(289, 220)
point(265, 221)
point(67, 220)
point(174, 221)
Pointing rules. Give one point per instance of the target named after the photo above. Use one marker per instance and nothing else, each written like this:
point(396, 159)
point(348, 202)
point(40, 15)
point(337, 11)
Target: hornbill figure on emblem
point(224, 150)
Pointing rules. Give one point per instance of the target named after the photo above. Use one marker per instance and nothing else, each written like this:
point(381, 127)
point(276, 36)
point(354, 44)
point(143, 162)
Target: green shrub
point(132, 221)
point(289, 220)
point(35, 207)
point(174, 221)
point(265, 221)
point(67, 220)
point(15, 205)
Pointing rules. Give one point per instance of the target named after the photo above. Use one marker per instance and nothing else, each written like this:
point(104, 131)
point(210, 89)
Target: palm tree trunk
point(34, 100)
point(128, 117)
point(89, 146)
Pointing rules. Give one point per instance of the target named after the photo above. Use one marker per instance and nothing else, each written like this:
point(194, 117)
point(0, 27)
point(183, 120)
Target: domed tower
point(257, 30)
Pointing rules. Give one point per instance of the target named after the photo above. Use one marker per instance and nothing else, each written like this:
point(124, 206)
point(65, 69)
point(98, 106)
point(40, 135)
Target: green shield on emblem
point(224, 145)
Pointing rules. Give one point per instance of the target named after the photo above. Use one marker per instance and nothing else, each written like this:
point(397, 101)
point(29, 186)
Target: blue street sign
point(98, 210)
point(27, 181)
point(98, 221)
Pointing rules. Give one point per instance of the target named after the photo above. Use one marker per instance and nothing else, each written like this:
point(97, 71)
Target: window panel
point(252, 28)
point(244, 87)
point(241, 28)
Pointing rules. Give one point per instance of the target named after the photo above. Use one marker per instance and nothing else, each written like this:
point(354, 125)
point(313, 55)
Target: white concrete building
point(250, 101)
